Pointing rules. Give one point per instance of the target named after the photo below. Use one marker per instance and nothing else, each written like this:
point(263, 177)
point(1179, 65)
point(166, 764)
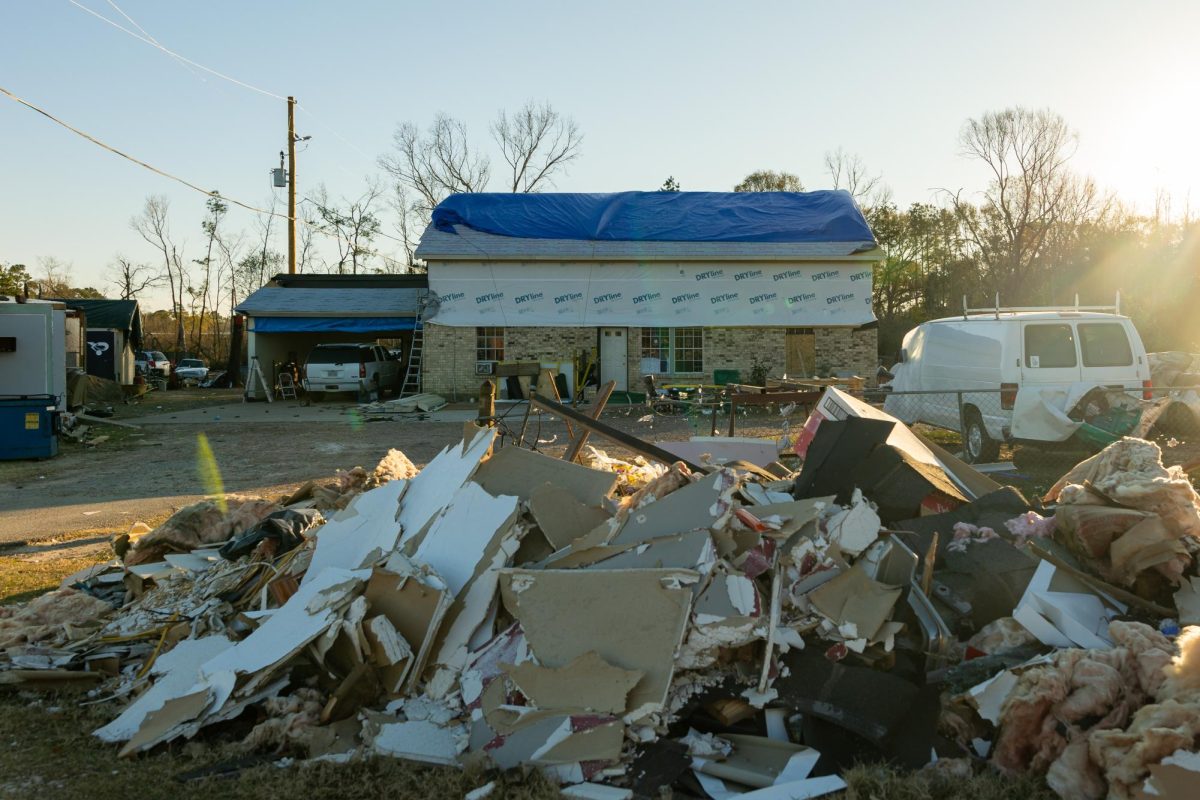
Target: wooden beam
point(597, 408)
point(608, 432)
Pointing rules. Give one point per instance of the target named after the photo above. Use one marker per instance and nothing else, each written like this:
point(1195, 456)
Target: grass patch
point(882, 783)
point(46, 751)
point(30, 569)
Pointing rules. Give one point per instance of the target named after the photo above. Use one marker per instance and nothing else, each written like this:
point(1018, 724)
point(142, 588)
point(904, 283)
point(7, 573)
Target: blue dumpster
point(28, 427)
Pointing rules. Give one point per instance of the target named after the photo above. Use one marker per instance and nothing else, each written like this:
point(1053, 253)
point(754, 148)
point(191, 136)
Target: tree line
point(1037, 234)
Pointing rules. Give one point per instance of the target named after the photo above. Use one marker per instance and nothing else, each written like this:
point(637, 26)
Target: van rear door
point(1107, 355)
point(1049, 354)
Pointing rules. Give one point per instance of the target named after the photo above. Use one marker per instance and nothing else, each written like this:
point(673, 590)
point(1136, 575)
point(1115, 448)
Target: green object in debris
point(1108, 427)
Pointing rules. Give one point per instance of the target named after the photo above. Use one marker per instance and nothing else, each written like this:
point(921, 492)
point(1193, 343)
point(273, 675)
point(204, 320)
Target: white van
point(1037, 364)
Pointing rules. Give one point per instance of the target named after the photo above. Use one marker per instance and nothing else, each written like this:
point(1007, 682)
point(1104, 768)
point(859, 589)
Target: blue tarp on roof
point(332, 324)
point(825, 216)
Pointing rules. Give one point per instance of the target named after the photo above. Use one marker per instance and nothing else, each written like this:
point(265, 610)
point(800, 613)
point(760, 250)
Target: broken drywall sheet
point(1062, 611)
point(360, 534)
point(175, 674)
point(788, 517)
point(721, 450)
point(760, 762)
point(469, 611)
point(417, 740)
point(561, 517)
point(389, 652)
point(305, 616)
point(854, 599)
point(588, 683)
point(458, 539)
point(1187, 602)
point(693, 550)
point(517, 471)
point(805, 789)
point(169, 720)
point(760, 496)
point(729, 595)
point(433, 487)
point(633, 619)
point(414, 601)
point(854, 529)
point(1177, 777)
point(705, 504)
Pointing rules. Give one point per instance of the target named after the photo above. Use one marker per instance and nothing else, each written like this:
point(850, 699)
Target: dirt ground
point(146, 474)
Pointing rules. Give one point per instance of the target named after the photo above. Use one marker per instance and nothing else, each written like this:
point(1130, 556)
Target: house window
point(688, 349)
point(489, 344)
point(672, 350)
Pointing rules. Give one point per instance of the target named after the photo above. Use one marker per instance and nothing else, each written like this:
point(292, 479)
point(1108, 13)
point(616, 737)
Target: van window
point(1049, 346)
point(1104, 344)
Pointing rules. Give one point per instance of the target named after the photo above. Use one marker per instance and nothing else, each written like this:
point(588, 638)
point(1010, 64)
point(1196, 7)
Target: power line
point(150, 41)
point(176, 178)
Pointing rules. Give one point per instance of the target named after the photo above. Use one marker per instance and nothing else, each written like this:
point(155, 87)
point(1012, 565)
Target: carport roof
point(363, 301)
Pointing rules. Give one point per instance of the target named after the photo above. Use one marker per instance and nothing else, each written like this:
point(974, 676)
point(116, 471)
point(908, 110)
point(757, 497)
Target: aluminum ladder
point(412, 373)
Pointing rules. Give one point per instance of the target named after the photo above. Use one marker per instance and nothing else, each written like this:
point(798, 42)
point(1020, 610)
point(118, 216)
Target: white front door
point(614, 355)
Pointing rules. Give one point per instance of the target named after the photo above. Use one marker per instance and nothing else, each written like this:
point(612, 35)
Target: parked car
point(191, 369)
point(350, 368)
point(153, 361)
point(1034, 365)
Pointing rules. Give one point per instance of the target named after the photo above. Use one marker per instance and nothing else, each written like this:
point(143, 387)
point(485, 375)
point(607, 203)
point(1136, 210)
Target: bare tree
point(54, 278)
point(1032, 190)
point(131, 279)
point(353, 224)
point(153, 226)
point(406, 213)
point(436, 163)
point(847, 171)
point(767, 180)
point(535, 141)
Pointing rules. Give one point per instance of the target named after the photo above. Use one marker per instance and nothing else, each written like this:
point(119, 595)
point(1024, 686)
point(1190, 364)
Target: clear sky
point(704, 91)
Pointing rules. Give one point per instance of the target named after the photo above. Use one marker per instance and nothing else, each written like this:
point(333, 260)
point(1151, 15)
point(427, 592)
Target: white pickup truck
point(353, 367)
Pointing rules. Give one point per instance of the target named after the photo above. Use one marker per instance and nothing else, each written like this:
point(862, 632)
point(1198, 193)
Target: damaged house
point(687, 286)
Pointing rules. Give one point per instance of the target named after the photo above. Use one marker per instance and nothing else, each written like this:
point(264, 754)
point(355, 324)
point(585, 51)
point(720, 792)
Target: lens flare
point(210, 473)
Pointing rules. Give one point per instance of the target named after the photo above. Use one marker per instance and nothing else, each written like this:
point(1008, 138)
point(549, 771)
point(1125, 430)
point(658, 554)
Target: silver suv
point(351, 367)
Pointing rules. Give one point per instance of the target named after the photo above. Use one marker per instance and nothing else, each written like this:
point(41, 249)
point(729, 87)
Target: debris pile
point(625, 625)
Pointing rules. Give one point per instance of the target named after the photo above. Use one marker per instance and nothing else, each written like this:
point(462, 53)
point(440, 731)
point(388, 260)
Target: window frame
point(665, 344)
point(1083, 349)
point(1026, 349)
point(486, 338)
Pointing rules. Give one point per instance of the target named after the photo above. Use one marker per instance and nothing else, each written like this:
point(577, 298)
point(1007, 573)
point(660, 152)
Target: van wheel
point(978, 447)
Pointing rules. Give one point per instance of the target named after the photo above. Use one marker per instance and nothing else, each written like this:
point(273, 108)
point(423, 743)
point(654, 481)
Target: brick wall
point(449, 357)
point(847, 349)
point(448, 361)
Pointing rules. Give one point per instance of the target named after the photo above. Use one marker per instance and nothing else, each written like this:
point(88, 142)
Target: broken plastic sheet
point(1040, 414)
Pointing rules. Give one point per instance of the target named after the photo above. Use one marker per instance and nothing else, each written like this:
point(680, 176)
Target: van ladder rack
point(998, 309)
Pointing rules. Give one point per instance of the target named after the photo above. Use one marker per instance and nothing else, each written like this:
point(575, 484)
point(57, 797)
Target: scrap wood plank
point(608, 432)
point(576, 446)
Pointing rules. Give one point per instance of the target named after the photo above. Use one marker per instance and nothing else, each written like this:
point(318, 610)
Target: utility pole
point(291, 101)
